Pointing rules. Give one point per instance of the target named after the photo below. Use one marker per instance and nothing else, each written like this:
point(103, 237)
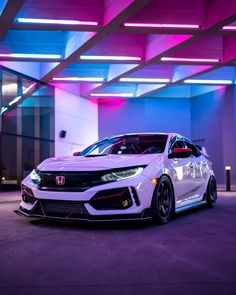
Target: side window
point(196, 152)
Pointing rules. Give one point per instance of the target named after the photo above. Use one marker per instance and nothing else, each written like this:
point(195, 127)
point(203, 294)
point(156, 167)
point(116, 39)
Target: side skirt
point(190, 206)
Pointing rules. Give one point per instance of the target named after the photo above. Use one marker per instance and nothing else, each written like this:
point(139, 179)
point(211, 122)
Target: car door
point(182, 173)
point(198, 179)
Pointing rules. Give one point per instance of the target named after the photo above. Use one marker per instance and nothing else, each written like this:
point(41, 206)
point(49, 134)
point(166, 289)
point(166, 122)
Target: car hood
point(81, 163)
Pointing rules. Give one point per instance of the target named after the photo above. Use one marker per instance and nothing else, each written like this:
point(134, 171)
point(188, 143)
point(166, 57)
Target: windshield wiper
point(101, 155)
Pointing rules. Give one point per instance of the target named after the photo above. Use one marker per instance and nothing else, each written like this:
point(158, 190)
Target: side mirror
point(180, 153)
point(76, 154)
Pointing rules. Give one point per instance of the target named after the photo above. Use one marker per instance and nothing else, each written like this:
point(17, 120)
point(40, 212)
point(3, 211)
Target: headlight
point(122, 174)
point(35, 177)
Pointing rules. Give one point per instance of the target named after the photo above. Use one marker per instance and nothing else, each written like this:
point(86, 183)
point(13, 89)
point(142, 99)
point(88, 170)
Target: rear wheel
point(211, 193)
point(163, 201)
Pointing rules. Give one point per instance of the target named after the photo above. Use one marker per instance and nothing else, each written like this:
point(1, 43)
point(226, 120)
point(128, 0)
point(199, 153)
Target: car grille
point(51, 208)
point(74, 181)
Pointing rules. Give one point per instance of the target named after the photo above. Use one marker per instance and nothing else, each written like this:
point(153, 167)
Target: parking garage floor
point(194, 254)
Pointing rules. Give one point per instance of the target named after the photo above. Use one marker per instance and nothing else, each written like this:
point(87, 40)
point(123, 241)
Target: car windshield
point(128, 144)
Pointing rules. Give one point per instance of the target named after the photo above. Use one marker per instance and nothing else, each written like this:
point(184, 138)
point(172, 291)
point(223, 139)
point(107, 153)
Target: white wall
point(79, 117)
point(145, 115)
point(213, 125)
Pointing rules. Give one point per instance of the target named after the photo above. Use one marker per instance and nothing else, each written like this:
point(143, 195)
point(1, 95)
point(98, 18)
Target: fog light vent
point(113, 199)
point(27, 195)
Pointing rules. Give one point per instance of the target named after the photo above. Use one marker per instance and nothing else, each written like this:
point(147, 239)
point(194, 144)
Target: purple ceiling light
point(145, 80)
point(82, 79)
point(185, 59)
point(230, 28)
point(56, 21)
point(108, 57)
point(112, 94)
point(153, 25)
point(28, 55)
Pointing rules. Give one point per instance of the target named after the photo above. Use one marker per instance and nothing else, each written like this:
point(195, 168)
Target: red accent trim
point(73, 210)
point(111, 196)
point(181, 150)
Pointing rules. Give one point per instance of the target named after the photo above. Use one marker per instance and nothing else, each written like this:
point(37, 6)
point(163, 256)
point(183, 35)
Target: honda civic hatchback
point(148, 176)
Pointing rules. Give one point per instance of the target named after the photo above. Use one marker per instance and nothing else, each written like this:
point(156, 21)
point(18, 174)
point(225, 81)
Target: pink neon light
point(152, 25)
point(108, 57)
point(229, 28)
point(190, 59)
point(83, 79)
point(112, 94)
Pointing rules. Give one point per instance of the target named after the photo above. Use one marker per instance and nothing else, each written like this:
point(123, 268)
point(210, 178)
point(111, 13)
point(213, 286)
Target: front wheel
point(211, 193)
point(163, 201)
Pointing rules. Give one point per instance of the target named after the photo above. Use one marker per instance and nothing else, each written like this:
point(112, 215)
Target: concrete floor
point(194, 254)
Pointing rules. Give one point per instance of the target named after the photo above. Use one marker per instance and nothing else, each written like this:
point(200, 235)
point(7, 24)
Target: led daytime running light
point(122, 175)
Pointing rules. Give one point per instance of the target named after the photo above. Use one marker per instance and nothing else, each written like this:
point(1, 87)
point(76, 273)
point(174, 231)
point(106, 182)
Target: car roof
point(147, 133)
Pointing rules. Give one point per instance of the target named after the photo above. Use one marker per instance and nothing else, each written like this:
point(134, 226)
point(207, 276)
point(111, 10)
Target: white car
point(126, 177)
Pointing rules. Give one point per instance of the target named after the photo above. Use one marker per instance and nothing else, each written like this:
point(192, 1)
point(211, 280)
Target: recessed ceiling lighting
point(4, 109)
point(190, 59)
point(153, 25)
point(85, 79)
point(16, 99)
point(55, 21)
point(27, 55)
point(229, 28)
point(26, 90)
point(145, 80)
point(207, 81)
point(112, 94)
point(109, 57)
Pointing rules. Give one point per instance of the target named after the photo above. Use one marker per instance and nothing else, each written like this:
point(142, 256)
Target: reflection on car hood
point(82, 163)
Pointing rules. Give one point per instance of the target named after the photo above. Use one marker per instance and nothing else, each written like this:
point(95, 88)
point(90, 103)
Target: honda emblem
point(60, 180)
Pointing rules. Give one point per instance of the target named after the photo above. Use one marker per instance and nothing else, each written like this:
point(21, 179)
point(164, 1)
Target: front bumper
point(90, 205)
point(143, 216)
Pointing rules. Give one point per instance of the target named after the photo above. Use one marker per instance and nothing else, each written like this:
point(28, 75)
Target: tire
point(163, 201)
point(211, 193)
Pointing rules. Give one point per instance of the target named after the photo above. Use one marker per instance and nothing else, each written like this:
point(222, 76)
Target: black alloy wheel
point(163, 201)
point(211, 194)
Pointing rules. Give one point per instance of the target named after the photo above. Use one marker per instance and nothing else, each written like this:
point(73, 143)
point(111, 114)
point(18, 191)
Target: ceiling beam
point(9, 13)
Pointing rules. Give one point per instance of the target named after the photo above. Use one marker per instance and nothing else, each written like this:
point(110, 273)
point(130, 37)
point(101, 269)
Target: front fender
point(156, 169)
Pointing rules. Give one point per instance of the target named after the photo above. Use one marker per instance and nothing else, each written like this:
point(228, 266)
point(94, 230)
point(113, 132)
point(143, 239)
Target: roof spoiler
point(203, 150)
